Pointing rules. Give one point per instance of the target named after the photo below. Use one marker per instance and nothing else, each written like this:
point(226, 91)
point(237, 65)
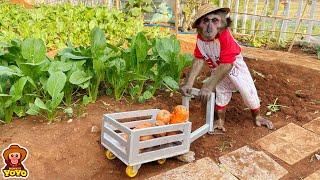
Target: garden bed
point(71, 150)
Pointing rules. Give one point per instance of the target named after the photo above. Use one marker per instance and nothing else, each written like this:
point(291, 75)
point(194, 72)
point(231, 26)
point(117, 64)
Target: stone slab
point(313, 126)
point(246, 163)
point(291, 143)
point(314, 176)
point(202, 169)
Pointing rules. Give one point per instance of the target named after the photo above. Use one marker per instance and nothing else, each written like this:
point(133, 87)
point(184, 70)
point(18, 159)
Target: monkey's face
point(209, 26)
point(14, 158)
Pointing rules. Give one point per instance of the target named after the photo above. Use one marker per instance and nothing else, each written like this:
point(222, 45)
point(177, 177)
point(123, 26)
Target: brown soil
point(71, 151)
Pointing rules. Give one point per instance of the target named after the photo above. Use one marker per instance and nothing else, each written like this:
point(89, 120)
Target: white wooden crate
point(135, 152)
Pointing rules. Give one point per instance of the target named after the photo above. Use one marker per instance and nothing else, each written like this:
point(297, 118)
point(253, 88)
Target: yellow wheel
point(161, 161)
point(109, 155)
point(131, 172)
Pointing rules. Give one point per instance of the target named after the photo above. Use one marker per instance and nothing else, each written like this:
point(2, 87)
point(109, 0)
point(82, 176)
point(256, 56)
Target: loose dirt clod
point(188, 157)
point(94, 129)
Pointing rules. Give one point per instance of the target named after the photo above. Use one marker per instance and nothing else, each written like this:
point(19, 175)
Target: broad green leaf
point(33, 110)
point(136, 11)
point(33, 50)
point(68, 111)
point(60, 66)
point(134, 91)
point(167, 48)
point(84, 85)
point(31, 81)
point(79, 77)
point(17, 88)
point(55, 83)
point(147, 9)
point(7, 71)
point(141, 99)
point(19, 111)
point(86, 100)
point(16, 69)
point(98, 38)
point(141, 47)
point(56, 100)
point(147, 95)
point(43, 80)
point(171, 82)
point(69, 55)
point(39, 103)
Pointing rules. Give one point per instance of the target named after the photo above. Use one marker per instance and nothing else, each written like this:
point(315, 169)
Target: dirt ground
point(65, 150)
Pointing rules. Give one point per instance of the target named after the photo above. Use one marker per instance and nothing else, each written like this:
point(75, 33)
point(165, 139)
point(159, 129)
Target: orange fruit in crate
point(144, 138)
point(125, 136)
point(160, 123)
point(164, 116)
point(180, 114)
point(145, 125)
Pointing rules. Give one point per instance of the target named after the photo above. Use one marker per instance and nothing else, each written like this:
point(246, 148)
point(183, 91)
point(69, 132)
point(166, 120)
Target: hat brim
point(22, 151)
point(208, 12)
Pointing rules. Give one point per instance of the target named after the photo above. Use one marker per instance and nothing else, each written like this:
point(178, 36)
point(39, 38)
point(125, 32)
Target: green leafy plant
point(55, 25)
point(318, 52)
point(53, 87)
point(31, 83)
point(170, 63)
point(138, 7)
point(21, 69)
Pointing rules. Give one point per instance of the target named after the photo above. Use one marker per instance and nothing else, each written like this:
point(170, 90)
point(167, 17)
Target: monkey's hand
point(261, 121)
point(205, 93)
point(221, 71)
point(186, 90)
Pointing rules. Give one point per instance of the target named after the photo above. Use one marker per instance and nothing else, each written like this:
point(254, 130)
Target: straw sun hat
point(15, 149)
point(206, 9)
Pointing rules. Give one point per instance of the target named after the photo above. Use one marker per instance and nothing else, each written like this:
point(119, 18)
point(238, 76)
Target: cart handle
point(208, 126)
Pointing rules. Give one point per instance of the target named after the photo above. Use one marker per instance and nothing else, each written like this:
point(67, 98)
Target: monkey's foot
point(261, 121)
point(219, 124)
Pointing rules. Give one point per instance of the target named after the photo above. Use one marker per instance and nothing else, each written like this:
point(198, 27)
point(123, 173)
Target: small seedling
point(224, 146)
point(68, 111)
point(273, 108)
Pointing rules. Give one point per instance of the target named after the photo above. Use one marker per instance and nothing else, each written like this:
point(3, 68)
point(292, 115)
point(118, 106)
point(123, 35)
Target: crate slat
point(132, 114)
point(118, 151)
point(161, 129)
point(115, 136)
point(109, 120)
point(159, 154)
point(160, 140)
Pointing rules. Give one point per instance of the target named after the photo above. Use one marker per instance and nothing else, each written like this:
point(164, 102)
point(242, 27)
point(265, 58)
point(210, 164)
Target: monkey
point(14, 156)
point(217, 48)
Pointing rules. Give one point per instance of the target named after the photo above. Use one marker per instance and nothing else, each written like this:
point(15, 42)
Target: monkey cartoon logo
point(13, 157)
